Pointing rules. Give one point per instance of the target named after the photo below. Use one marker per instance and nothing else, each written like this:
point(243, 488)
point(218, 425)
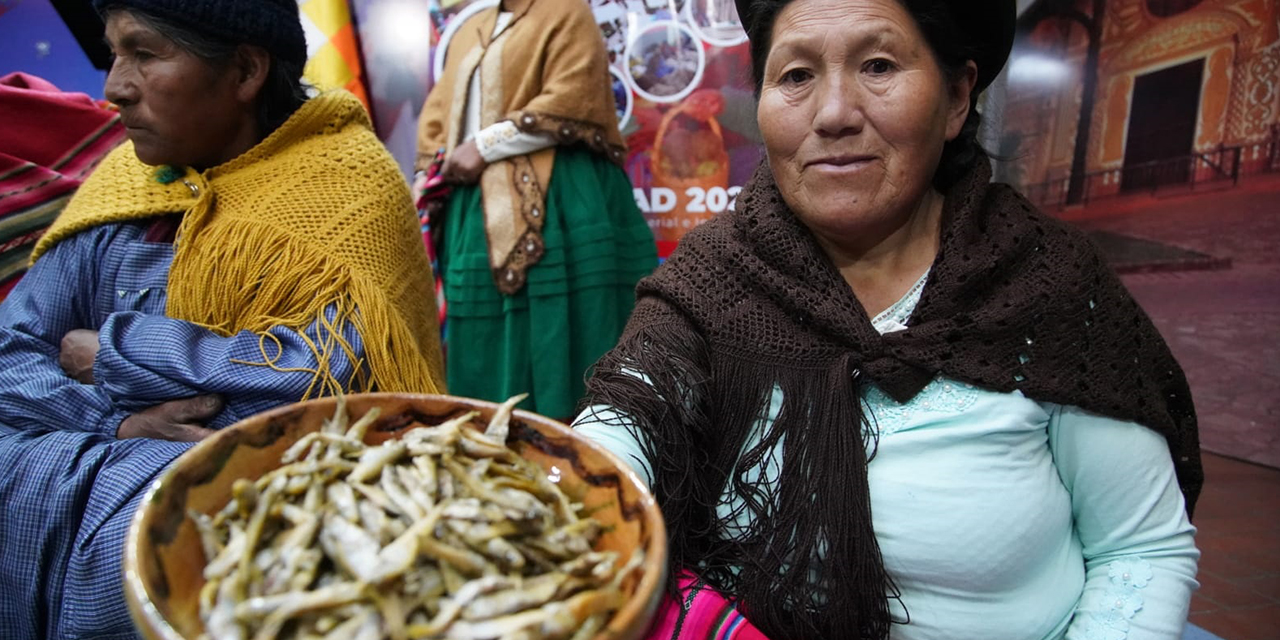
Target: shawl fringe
point(749, 304)
point(782, 575)
point(291, 283)
point(333, 246)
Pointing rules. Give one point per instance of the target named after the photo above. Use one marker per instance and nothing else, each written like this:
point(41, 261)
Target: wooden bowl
point(164, 561)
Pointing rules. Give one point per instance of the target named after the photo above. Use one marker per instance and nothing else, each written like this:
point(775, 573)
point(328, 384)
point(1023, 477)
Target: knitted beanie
point(271, 24)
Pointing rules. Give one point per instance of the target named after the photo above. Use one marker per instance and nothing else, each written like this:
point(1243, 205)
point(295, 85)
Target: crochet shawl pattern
point(317, 215)
point(1015, 300)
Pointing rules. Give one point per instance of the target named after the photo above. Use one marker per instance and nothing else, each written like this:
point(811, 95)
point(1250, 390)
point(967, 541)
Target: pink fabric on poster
point(707, 616)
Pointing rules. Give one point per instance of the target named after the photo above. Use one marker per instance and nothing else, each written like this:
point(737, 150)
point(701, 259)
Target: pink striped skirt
point(701, 613)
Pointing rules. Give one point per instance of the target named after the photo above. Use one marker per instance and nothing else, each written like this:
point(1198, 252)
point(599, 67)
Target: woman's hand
point(78, 350)
point(465, 164)
point(176, 420)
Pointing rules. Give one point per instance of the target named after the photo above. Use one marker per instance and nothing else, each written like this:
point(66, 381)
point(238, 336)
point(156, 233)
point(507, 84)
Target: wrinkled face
point(176, 108)
point(854, 110)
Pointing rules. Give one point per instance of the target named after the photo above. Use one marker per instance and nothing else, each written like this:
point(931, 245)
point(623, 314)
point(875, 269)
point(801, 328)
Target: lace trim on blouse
point(1121, 601)
point(895, 317)
point(940, 396)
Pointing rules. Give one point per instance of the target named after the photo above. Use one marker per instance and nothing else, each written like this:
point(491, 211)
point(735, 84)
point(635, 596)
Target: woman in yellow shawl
point(248, 247)
point(542, 240)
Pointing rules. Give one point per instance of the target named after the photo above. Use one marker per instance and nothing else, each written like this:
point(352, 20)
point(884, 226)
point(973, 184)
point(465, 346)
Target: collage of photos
point(684, 104)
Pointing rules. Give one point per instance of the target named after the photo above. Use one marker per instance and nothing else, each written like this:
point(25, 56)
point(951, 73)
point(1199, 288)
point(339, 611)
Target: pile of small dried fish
point(444, 533)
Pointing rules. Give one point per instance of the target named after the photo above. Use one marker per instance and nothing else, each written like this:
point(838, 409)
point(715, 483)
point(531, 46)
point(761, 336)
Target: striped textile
point(49, 143)
point(441, 304)
point(700, 614)
point(430, 193)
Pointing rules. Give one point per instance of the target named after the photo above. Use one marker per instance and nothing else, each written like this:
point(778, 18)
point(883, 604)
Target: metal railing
point(1222, 166)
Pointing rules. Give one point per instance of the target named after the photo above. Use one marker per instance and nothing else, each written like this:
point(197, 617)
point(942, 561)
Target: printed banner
point(333, 50)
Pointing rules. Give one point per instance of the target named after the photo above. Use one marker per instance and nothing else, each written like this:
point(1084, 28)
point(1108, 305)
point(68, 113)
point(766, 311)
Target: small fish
point(355, 551)
point(500, 424)
point(374, 459)
point(443, 533)
point(531, 593)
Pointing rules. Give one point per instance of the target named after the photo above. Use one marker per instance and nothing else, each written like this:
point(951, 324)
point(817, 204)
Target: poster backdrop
point(1141, 97)
point(681, 73)
point(681, 80)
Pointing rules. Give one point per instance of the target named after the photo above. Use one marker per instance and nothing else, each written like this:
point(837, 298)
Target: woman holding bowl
point(885, 398)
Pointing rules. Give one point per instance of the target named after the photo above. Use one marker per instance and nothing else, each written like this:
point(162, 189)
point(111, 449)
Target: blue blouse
point(69, 487)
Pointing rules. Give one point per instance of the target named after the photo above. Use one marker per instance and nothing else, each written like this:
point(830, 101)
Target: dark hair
point(951, 47)
point(283, 91)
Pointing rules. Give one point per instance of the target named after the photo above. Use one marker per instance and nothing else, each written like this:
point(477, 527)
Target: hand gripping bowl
point(164, 559)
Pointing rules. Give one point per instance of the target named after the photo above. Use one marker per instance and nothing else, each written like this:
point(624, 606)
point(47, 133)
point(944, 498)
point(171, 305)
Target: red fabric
point(431, 193)
point(42, 124)
point(49, 143)
point(701, 613)
point(7, 286)
point(24, 185)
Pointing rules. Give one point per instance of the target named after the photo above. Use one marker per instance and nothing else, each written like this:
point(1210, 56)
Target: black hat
point(271, 24)
point(992, 24)
point(989, 25)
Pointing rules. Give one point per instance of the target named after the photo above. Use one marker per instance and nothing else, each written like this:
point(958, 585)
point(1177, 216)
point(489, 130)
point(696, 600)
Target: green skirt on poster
point(544, 339)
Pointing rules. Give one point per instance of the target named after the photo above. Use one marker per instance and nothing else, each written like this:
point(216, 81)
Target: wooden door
point(1162, 127)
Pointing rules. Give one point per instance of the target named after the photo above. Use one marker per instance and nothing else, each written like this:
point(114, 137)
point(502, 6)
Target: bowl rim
point(146, 616)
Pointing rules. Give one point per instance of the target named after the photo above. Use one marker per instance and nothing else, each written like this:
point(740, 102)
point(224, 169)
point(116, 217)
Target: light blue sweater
point(1003, 518)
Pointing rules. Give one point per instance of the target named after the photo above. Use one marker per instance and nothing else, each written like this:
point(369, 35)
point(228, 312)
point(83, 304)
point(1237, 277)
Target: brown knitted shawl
point(1015, 301)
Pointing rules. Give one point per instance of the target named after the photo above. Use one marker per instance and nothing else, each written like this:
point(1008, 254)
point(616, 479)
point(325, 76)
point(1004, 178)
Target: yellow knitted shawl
point(317, 214)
